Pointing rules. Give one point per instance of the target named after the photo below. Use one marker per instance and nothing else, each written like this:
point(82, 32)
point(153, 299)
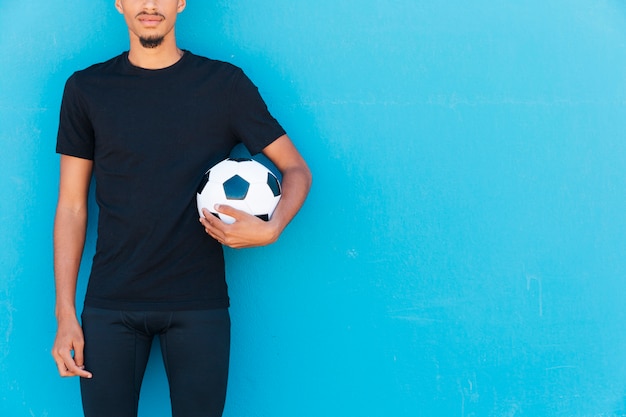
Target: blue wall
point(462, 252)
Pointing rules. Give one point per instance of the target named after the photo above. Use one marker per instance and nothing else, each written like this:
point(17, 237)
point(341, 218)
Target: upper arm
point(74, 182)
point(285, 156)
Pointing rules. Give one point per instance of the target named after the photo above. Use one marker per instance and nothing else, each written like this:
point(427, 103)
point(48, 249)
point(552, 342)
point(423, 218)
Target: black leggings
point(195, 347)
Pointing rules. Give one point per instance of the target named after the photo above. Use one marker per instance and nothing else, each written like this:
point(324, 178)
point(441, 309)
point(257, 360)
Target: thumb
point(80, 363)
point(228, 210)
point(79, 358)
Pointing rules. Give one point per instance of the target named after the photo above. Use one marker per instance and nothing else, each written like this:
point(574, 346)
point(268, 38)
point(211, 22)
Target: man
point(147, 124)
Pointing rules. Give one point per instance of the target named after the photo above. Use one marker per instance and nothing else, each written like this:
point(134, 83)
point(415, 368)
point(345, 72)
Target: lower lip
point(149, 22)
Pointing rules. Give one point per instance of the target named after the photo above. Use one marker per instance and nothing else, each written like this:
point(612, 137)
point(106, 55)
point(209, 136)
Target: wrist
point(63, 312)
point(274, 230)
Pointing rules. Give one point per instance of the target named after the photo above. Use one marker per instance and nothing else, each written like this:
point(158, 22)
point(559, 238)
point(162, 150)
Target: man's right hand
point(70, 339)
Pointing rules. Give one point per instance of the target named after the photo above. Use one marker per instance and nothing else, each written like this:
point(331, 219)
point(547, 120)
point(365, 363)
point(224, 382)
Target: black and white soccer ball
point(242, 183)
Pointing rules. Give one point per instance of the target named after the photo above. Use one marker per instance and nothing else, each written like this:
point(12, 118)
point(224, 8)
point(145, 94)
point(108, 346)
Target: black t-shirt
point(152, 134)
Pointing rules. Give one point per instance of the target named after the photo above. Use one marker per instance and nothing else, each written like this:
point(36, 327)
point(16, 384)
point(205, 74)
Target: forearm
point(296, 183)
point(69, 241)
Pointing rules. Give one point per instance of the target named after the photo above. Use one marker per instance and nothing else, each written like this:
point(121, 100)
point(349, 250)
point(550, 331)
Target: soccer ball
point(242, 183)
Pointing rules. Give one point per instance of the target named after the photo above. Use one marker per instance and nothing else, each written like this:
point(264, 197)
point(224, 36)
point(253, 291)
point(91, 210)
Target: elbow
point(308, 177)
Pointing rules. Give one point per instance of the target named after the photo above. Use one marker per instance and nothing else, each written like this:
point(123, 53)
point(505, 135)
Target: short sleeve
point(250, 119)
point(76, 135)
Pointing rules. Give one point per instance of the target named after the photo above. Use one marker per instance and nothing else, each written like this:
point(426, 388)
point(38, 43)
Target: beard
point(151, 42)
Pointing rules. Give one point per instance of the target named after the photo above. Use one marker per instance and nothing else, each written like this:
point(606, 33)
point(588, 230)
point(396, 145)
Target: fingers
point(216, 226)
point(69, 366)
point(247, 230)
point(67, 350)
point(229, 211)
point(212, 226)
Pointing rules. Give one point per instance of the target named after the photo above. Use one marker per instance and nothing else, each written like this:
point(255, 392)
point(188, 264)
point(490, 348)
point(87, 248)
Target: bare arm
point(70, 224)
point(250, 231)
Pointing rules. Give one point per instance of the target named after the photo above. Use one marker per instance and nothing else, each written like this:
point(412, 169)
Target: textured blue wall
point(462, 252)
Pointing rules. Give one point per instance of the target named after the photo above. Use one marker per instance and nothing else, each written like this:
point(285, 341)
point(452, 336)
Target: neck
point(162, 56)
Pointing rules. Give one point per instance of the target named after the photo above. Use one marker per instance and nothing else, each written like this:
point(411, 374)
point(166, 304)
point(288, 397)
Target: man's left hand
point(247, 231)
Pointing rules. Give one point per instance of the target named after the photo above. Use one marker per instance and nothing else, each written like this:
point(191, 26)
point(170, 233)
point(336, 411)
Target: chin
point(151, 41)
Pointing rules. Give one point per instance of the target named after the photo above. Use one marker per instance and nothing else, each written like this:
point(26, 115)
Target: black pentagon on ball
point(272, 182)
point(236, 188)
point(205, 179)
